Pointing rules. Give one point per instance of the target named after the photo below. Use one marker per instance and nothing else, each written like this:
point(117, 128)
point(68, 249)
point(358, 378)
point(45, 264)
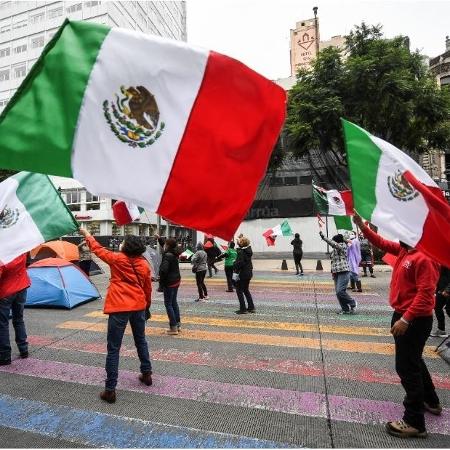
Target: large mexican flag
point(31, 212)
point(381, 193)
point(134, 116)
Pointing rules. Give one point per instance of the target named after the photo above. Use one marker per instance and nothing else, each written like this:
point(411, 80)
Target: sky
point(257, 31)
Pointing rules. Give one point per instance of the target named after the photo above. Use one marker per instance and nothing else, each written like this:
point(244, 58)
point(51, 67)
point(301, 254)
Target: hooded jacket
point(129, 287)
point(169, 270)
point(243, 264)
point(199, 261)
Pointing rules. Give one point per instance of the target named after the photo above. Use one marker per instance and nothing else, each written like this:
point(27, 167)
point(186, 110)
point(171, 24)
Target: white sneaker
point(439, 333)
point(206, 297)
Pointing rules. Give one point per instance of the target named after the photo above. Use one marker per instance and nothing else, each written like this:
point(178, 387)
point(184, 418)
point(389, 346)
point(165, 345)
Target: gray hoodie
point(199, 259)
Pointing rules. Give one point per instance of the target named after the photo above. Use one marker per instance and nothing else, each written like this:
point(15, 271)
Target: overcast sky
point(257, 31)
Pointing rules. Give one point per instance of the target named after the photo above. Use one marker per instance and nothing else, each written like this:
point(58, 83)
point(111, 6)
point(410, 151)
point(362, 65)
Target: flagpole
point(326, 228)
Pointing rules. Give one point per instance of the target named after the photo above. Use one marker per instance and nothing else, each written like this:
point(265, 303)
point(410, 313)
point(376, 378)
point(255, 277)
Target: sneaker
point(343, 312)
point(172, 331)
point(302, 274)
point(108, 396)
point(229, 290)
point(436, 410)
point(24, 355)
point(5, 362)
point(146, 378)
point(439, 333)
point(199, 299)
point(251, 310)
point(401, 429)
point(365, 275)
point(372, 276)
point(179, 328)
point(206, 297)
point(241, 312)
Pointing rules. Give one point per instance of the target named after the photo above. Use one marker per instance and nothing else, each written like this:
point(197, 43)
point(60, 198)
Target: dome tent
point(58, 283)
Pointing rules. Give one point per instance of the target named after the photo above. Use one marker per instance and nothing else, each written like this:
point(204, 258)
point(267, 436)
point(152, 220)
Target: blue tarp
point(62, 286)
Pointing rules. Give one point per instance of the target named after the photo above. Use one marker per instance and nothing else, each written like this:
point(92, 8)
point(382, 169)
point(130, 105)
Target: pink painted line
point(286, 401)
point(286, 366)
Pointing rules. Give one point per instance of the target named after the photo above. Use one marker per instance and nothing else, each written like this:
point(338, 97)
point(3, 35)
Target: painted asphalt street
point(295, 374)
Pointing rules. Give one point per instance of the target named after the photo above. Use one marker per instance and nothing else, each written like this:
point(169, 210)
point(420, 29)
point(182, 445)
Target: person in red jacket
point(14, 282)
point(127, 300)
point(414, 279)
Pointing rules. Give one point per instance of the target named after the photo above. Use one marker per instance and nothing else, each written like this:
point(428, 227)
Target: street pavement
point(295, 374)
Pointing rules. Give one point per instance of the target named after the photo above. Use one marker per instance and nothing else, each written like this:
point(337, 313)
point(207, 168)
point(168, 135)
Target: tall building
point(440, 66)
point(27, 26)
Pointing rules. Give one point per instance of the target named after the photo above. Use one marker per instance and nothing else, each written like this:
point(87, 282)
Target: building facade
point(27, 26)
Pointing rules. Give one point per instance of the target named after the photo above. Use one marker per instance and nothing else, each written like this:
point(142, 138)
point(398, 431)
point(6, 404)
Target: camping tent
point(56, 249)
point(58, 283)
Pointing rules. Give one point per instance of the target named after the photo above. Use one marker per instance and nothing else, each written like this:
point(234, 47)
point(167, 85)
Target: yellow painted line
point(256, 339)
point(285, 326)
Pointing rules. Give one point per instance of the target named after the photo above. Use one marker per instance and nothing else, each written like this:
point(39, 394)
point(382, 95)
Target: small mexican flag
point(283, 229)
point(126, 212)
point(31, 213)
point(187, 253)
point(333, 202)
point(393, 192)
point(129, 114)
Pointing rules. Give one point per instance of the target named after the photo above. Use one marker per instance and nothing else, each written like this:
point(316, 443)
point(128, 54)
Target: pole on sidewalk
point(326, 228)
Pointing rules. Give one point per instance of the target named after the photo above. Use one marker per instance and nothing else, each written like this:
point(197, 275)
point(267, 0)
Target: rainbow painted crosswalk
point(293, 374)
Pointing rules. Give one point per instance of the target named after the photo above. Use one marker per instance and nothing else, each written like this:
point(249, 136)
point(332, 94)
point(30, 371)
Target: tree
point(378, 84)
point(4, 174)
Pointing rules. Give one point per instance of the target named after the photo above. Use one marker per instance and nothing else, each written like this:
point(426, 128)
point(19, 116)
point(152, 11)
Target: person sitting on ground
point(413, 283)
point(341, 272)
point(230, 256)
point(442, 302)
point(128, 299)
point(199, 264)
point(170, 280)
point(14, 282)
point(242, 274)
point(297, 252)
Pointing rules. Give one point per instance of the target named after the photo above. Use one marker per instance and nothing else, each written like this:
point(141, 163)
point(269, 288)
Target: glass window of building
point(290, 181)
point(37, 18)
point(4, 102)
point(20, 48)
point(91, 4)
point(93, 228)
point(55, 12)
point(4, 74)
point(37, 41)
point(73, 196)
point(5, 29)
point(5, 52)
point(276, 181)
point(20, 71)
point(20, 24)
point(74, 8)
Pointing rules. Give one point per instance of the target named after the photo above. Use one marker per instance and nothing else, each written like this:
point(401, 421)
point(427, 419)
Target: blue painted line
point(104, 430)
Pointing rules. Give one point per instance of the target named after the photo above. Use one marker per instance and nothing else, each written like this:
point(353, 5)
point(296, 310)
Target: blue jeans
point(354, 276)
point(14, 303)
point(117, 323)
point(171, 304)
point(341, 280)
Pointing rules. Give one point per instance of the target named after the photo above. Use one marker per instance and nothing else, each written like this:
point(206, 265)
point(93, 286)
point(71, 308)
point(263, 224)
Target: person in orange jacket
point(413, 283)
point(127, 300)
point(14, 282)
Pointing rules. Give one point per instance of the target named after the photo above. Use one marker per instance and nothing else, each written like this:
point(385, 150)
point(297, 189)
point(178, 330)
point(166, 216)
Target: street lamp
point(316, 26)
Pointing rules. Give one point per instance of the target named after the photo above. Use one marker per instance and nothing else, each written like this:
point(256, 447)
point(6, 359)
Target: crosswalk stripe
point(258, 339)
point(285, 326)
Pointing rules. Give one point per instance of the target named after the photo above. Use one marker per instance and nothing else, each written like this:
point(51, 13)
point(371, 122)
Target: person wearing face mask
point(413, 283)
point(341, 272)
point(127, 300)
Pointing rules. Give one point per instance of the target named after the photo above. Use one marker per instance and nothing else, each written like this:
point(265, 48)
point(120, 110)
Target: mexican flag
point(283, 229)
point(382, 177)
point(129, 115)
point(187, 254)
point(31, 213)
point(126, 212)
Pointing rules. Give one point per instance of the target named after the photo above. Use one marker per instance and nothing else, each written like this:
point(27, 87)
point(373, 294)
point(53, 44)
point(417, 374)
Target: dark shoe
point(372, 276)
point(241, 312)
point(146, 378)
point(251, 310)
point(352, 285)
point(108, 396)
point(229, 290)
point(365, 275)
point(401, 429)
point(301, 274)
point(24, 355)
point(216, 270)
point(436, 410)
point(358, 286)
point(343, 312)
point(5, 362)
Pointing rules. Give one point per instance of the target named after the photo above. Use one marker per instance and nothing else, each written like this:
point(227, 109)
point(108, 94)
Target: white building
point(27, 26)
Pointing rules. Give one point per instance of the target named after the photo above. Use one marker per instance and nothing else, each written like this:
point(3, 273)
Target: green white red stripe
point(382, 194)
point(333, 202)
point(126, 212)
point(131, 115)
point(283, 229)
point(31, 212)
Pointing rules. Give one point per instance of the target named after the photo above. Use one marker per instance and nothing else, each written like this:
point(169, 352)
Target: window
point(20, 48)
point(52, 13)
point(306, 180)
point(5, 29)
point(74, 8)
point(92, 198)
point(37, 42)
point(50, 35)
point(20, 71)
point(290, 181)
point(4, 74)
point(4, 102)
point(74, 207)
point(93, 227)
point(21, 24)
point(5, 52)
point(276, 181)
point(91, 4)
point(73, 196)
point(37, 18)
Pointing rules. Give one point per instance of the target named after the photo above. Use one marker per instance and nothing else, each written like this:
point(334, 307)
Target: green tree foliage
point(378, 84)
point(4, 174)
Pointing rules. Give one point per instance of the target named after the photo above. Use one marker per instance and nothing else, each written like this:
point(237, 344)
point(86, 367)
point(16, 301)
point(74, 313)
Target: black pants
point(441, 303)
point(413, 372)
point(85, 266)
point(211, 266)
point(241, 291)
point(201, 286)
point(298, 261)
point(229, 275)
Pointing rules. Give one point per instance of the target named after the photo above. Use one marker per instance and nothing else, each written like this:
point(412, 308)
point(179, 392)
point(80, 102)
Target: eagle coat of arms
point(134, 116)
point(400, 188)
point(8, 217)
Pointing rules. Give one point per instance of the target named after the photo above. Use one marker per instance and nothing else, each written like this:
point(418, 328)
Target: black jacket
point(243, 264)
point(444, 280)
point(169, 270)
point(297, 244)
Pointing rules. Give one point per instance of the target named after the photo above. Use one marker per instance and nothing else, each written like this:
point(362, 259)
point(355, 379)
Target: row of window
point(289, 181)
point(35, 42)
point(18, 71)
point(51, 14)
point(3, 102)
